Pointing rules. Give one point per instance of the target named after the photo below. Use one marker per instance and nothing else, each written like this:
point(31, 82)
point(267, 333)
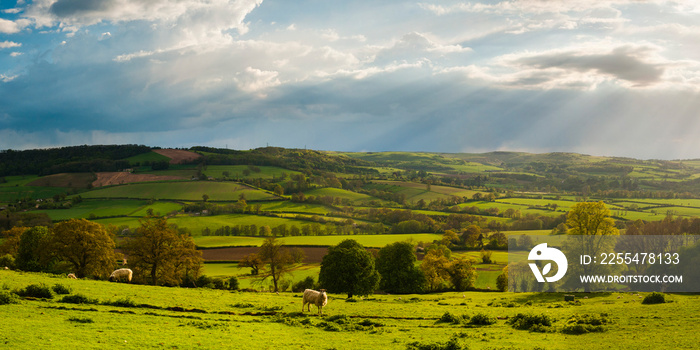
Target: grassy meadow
point(161, 317)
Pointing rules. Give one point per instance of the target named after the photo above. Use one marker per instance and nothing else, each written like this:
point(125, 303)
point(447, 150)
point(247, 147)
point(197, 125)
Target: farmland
point(189, 318)
point(313, 200)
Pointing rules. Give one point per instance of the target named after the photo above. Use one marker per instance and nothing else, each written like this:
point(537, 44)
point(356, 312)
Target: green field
point(376, 241)
point(148, 157)
point(186, 190)
point(417, 191)
point(393, 321)
point(236, 172)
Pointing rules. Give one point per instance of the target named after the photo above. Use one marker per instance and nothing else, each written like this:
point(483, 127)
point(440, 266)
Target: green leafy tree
point(163, 254)
point(33, 252)
point(590, 233)
point(348, 268)
point(435, 269)
point(396, 264)
point(86, 246)
point(462, 274)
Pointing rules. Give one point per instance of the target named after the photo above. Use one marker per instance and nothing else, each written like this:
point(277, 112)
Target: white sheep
point(7, 268)
point(72, 276)
point(120, 274)
point(318, 298)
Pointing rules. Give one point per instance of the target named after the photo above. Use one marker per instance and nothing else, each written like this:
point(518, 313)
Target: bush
point(78, 299)
point(205, 281)
point(81, 320)
point(219, 283)
point(35, 291)
point(654, 298)
point(307, 283)
point(123, 302)
point(283, 285)
point(582, 324)
point(233, 283)
point(534, 323)
point(7, 298)
point(61, 289)
point(482, 319)
point(7, 260)
point(452, 344)
point(448, 317)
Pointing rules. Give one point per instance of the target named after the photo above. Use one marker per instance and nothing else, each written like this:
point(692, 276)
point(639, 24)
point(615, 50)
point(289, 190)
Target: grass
point(375, 241)
point(236, 172)
point(185, 190)
point(97, 208)
point(397, 320)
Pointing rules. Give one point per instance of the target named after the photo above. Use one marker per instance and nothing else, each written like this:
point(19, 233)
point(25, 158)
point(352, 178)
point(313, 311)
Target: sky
point(599, 77)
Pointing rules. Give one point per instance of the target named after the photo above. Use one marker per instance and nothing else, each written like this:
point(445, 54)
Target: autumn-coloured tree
point(10, 243)
point(163, 254)
point(277, 260)
point(86, 246)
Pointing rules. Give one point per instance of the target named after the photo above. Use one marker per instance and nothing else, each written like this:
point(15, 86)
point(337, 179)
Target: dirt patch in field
point(118, 178)
point(313, 254)
point(178, 156)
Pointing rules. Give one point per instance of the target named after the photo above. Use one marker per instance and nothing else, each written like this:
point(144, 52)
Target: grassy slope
point(377, 241)
point(33, 324)
point(186, 190)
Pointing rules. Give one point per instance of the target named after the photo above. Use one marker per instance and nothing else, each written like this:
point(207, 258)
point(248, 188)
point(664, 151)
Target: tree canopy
point(163, 254)
point(348, 268)
point(396, 264)
point(86, 246)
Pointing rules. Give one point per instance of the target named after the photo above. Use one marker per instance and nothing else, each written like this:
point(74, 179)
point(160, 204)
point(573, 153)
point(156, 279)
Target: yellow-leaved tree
point(86, 246)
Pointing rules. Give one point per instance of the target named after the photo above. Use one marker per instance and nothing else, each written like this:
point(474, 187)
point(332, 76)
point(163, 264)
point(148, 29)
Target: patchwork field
point(187, 190)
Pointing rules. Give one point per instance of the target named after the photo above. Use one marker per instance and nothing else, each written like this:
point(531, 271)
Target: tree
point(160, 252)
point(34, 253)
point(462, 274)
point(435, 269)
point(85, 245)
point(502, 280)
point(591, 229)
point(278, 190)
point(253, 261)
point(396, 265)
point(11, 238)
point(205, 197)
point(278, 260)
point(348, 268)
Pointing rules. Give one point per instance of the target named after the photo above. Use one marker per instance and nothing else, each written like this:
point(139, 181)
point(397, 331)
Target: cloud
point(9, 27)
point(9, 44)
point(253, 80)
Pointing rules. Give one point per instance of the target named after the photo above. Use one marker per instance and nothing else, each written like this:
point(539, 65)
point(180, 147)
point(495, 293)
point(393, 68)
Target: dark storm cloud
point(70, 8)
point(625, 63)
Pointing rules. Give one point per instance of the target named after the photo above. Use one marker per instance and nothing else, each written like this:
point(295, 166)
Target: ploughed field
point(118, 315)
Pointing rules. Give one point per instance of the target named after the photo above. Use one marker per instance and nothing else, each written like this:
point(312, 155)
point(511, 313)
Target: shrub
point(581, 324)
point(7, 260)
point(233, 283)
point(452, 344)
point(81, 320)
point(482, 319)
point(60, 289)
point(654, 298)
point(283, 285)
point(78, 299)
point(448, 317)
point(534, 323)
point(307, 283)
point(35, 291)
point(219, 283)
point(7, 298)
point(205, 281)
point(123, 302)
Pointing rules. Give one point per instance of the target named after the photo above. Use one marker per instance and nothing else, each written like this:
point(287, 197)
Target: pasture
point(182, 190)
point(370, 241)
point(161, 317)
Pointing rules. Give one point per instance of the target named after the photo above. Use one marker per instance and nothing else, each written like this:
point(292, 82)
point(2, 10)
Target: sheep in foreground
point(318, 298)
point(72, 276)
point(121, 274)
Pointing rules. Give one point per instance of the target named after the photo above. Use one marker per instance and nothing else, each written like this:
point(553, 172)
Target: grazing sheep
point(318, 298)
point(72, 276)
point(121, 274)
point(7, 268)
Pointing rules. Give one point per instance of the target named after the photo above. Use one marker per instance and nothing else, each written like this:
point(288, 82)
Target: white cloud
point(255, 80)
point(15, 54)
point(9, 44)
point(9, 27)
